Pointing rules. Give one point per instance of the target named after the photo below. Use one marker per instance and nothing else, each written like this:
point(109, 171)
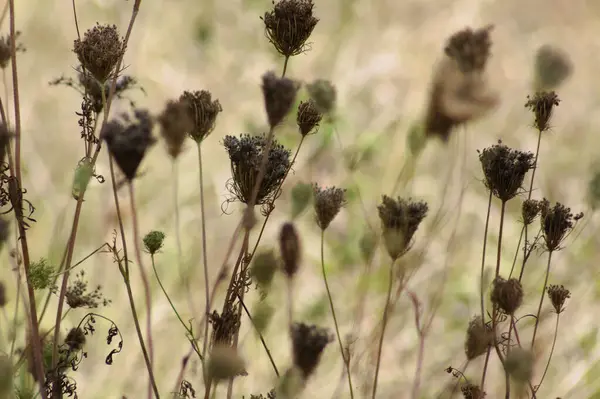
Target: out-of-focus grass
point(379, 54)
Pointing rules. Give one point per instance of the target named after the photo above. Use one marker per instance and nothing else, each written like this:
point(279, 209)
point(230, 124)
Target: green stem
point(384, 325)
point(537, 317)
point(335, 322)
point(551, 350)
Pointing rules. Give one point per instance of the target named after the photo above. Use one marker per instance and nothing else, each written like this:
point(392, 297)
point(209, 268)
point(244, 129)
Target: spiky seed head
point(153, 241)
point(470, 48)
point(479, 338)
point(203, 111)
point(290, 249)
point(175, 122)
point(552, 67)
point(100, 50)
point(558, 294)
point(289, 25)
point(529, 211)
point(507, 294)
point(324, 95)
point(279, 96)
point(328, 202)
point(542, 104)
point(225, 363)
point(128, 140)
point(308, 117)
point(519, 365)
point(400, 219)
point(557, 222)
point(504, 169)
point(308, 343)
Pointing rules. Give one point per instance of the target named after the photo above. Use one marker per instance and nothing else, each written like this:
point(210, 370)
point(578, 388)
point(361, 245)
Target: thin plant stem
point(421, 330)
point(512, 269)
point(145, 282)
point(262, 339)
point(551, 350)
point(335, 322)
point(537, 317)
point(285, 64)
point(204, 250)
point(482, 282)
point(384, 325)
point(499, 255)
point(175, 177)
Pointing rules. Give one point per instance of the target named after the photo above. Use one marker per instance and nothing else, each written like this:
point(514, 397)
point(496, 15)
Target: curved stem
point(551, 351)
point(337, 328)
point(537, 318)
point(384, 325)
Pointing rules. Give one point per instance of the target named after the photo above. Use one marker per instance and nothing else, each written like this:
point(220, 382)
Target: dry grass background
point(379, 54)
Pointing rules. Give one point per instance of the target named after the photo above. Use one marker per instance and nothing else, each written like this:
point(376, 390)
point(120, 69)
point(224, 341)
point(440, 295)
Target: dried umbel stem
point(400, 219)
point(290, 249)
point(542, 104)
point(308, 343)
point(507, 294)
point(557, 222)
point(504, 169)
point(289, 25)
point(328, 203)
point(279, 95)
point(100, 50)
point(479, 338)
point(558, 295)
point(308, 117)
point(128, 140)
point(203, 111)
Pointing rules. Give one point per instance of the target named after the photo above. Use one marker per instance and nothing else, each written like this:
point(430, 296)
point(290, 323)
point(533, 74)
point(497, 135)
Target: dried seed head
point(308, 343)
point(308, 117)
point(558, 295)
point(203, 111)
point(542, 105)
point(153, 241)
point(290, 249)
point(552, 67)
point(2, 294)
point(456, 98)
point(225, 363)
point(519, 365)
point(289, 25)
point(529, 211)
point(400, 219)
point(302, 194)
point(557, 222)
point(6, 49)
point(470, 49)
point(245, 155)
point(77, 295)
point(324, 95)
point(504, 169)
point(75, 339)
point(224, 326)
point(100, 51)
point(128, 140)
point(328, 203)
point(471, 391)
point(479, 338)
point(507, 294)
point(264, 266)
point(176, 122)
point(279, 95)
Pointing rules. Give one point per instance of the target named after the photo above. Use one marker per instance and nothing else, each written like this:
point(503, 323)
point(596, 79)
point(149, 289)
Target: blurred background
point(380, 55)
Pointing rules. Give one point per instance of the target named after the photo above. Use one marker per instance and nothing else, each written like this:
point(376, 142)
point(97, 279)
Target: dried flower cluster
point(99, 51)
point(557, 222)
point(175, 122)
point(558, 295)
point(470, 48)
point(328, 203)
point(290, 249)
point(77, 295)
point(279, 95)
point(542, 105)
point(203, 111)
point(308, 343)
point(507, 294)
point(308, 117)
point(400, 219)
point(471, 391)
point(479, 338)
point(6, 49)
point(529, 210)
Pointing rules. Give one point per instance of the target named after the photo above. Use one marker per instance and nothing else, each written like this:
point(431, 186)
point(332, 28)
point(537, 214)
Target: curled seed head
point(542, 104)
point(289, 25)
point(470, 48)
point(504, 169)
point(400, 219)
point(153, 241)
point(279, 95)
point(557, 222)
point(176, 122)
point(128, 140)
point(558, 295)
point(308, 116)
point(328, 203)
point(507, 294)
point(324, 95)
point(552, 67)
point(308, 343)
point(203, 111)
point(289, 246)
point(100, 50)
point(479, 338)
point(529, 210)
